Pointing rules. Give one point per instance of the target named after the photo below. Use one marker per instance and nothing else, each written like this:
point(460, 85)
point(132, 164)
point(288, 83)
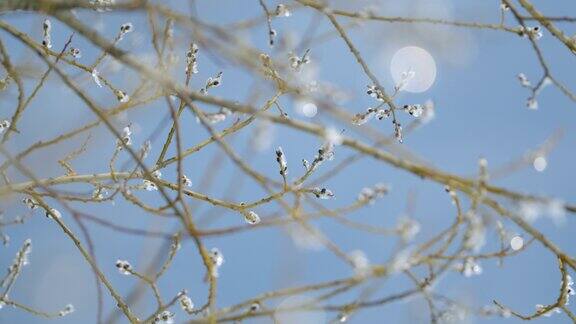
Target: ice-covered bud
point(272, 33)
point(469, 267)
point(68, 309)
point(212, 82)
point(214, 118)
point(217, 260)
point(251, 217)
point(524, 80)
point(533, 32)
point(53, 213)
point(374, 92)
point(281, 159)
point(126, 28)
point(47, 26)
point(569, 289)
point(398, 132)
point(4, 125)
point(165, 317)
point(305, 164)
point(96, 77)
point(186, 304)
point(192, 60)
point(363, 118)
point(22, 256)
point(30, 203)
point(532, 103)
point(282, 11)
point(149, 185)
point(407, 228)
point(121, 96)
point(102, 5)
point(323, 193)
point(216, 257)
point(124, 267)
point(254, 307)
point(47, 39)
point(99, 193)
point(382, 114)
point(296, 62)
point(185, 181)
point(360, 262)
point(126, 137)
point(366, 195)
point(370, 194)
point(75, 52)
point(405, 78)
point(414, 110)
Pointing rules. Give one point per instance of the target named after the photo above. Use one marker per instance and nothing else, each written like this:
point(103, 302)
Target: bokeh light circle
point(418, 60)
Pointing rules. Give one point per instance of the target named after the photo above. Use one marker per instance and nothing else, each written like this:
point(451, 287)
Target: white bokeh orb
point(540, 163)
point(309, 110)
point(306, 108)
point(418, 60)
point(516, 243)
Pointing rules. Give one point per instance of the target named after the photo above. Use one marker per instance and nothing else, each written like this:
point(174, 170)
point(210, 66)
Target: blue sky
point(480, 112)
